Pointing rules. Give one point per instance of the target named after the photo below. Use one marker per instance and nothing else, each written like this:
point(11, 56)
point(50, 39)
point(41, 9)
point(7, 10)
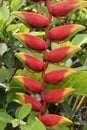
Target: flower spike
point(52, 121)
point(29, 84)
point(58, 95)
point(64, 32)
point(57, 76)
point(65, 8)
point(30, 61)
point(25, 99)
point(30, 41)
point(31, 19)
point(59, 54)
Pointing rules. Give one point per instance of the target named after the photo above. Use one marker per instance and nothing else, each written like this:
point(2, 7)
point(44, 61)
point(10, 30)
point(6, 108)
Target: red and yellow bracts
point(58, 95)
point(31, 19)
point(24, 99)
point(30, 61)
point(52, 121)
point(29, 84)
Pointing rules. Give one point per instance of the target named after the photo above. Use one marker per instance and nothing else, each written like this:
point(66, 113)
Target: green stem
point(76, 102)
point(83, 99)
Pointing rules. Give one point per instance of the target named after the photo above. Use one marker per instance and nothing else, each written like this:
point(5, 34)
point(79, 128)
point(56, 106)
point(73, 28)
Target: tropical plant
point(49, 76)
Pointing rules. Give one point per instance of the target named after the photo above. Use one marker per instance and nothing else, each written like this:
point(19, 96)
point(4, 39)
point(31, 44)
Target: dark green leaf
point(5, 74)
point(2, 125)
point(67, 109)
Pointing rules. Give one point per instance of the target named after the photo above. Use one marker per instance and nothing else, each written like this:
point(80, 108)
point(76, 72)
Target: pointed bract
point(54, 121)
point(62, 9)
point(58, 95)
point(29, 84)
point(64, 32)
point(30, 61)
point(31, 19)
point(30, 41)
point(59, 54)
point(24, 99)
point(57, 76)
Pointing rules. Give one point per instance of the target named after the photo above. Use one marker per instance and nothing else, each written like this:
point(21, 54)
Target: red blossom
point(31, 61)
point(31, 19)
point(30, 41)
point(29, 84)
point(24, 99)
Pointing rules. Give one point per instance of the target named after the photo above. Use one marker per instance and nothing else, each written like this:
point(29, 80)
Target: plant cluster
point(47, 76)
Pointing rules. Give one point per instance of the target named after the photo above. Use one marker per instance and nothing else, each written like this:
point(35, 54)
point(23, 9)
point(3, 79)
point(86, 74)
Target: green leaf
point(5, 74)
point(24, 127)
point(31, 118)
point(17, 27)
point(5, 117)
point(9, 60)
point(85, 127)
point(38, 126)
point(23, 111)
point(2, 125)
point(3, 48)
point(79, 39)
point(4, 13)
point(17, 4)
point(67, 109)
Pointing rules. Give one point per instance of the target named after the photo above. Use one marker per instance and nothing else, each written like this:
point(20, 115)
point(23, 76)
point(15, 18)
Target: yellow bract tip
point(70, 72)
point(65, 121)
point(78, 28)
point(18, 35)
point(74, 48)
point(17, 13)
point(18, 78)
point(62, 122)
point(20, 97)
point(20, 55)
point(66, 93)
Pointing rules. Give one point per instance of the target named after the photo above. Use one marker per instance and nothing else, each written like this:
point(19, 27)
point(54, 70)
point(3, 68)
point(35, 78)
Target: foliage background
point(10, 66)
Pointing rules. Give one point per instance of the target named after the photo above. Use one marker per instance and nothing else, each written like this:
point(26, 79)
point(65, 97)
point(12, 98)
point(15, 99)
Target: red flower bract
point(54, 121)
point(31, 19)
point(29, 84)
point(30, 41)
point(55, 77)
point(61, 33)
point(57, 54)
point(24, 99)
point(58, 95)
point(31, 62)
point(62, 9)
